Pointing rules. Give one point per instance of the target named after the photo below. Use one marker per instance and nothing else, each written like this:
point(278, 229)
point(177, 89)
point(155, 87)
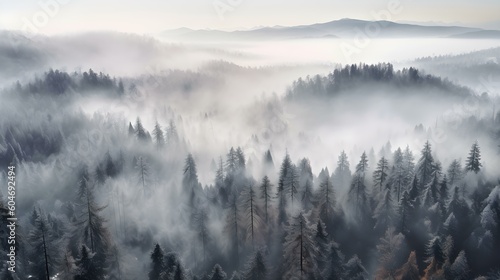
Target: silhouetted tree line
point(56, 82)
point(354, 76)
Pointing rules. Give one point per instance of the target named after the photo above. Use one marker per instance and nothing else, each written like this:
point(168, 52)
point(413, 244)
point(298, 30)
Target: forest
point(105, 198)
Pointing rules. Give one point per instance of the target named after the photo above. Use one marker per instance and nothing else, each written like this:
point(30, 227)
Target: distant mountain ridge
point(343, 28)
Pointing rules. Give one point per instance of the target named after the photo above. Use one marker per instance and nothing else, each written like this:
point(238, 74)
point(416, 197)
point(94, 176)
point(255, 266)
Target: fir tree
point(473, 162)
point(299, 249)
point(256, 268)
point(156, 263)
point(265, 194)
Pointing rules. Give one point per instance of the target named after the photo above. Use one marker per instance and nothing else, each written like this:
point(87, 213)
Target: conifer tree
point(473, 162)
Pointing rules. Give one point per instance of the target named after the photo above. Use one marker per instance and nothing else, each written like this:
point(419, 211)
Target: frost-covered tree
point(335, 268)
point(157, 265)
point(159, 139)
point(299, 249)
point(389, 251)
point(140, 131)
point(88, 266)
point(473, 162)
point(46, 248)
point(397, 174)
point(362, 166)
point(409, 271)
point(190, 177)
point(425, 166)
point(256, 268)
point(409, 165)
point(381, 173)
point(322, 243)
point(342, 175)
point(459, 270)
point(265, 194)
point(252, 213)
point(436, 258)
point(384, 214)
point(326, 199)
point(217, 273)
point(358, 197)
point(232, 227)
point(143, 173)
point(454, 172)
point(355, 270)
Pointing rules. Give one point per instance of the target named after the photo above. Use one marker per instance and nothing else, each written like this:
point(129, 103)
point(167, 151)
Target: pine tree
point(326, 198)
point(384, 213)
point(307, 196)
point(172, 134)
point(425, 167)
point(252, 213)
point(355, 270)
point(436, 258)
point(342, 174)
point(256, 268)
point(432, 191)
point(473, 162)
point(409, 165)
point(190, 178)
point(46, 251)
point(409, 271)
point(299, 249)
point(217, 273)
point(459, 270)
point(232, 227)
point(143, 172)
point(88, 266)
point(404, 213)
point(140, 132)
point(94, 231)
point(322, 243)
point(380, 174)
point(389, 248)
point(362, 166)
point(454, 172)
point(397, 174)
point(265, 194)
point(358, 197)
point(157, 265)
point(202, 230)
point(335, 264)
point(158, 136)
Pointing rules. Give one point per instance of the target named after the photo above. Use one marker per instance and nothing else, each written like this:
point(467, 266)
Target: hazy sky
point(150, 16)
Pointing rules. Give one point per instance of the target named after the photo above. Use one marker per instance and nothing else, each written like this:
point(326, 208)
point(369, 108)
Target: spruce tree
point(473, 162)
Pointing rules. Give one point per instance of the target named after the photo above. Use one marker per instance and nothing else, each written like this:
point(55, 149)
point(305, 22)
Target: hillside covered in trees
point(177, 189)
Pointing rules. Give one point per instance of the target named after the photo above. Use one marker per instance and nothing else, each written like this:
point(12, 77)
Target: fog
point(62, 124)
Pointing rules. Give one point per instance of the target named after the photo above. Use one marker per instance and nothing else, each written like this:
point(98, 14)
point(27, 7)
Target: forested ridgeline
point(350, 77)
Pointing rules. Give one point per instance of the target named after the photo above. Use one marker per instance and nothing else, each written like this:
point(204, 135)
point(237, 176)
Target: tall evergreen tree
point(381, 173)
point(256, 268)
point(454, 172)
point(158, 136)
point(265, 194)
point(299, 249)
point(157, 265)
point(88, 266)
point(425, 167)
point(342, 174)
point(473, 162)
point(46, 250)
point(140, 132)
point(217, 273)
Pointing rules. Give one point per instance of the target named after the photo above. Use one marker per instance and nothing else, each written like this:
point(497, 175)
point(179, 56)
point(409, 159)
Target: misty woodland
point(260, 154)
point(113, 200)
